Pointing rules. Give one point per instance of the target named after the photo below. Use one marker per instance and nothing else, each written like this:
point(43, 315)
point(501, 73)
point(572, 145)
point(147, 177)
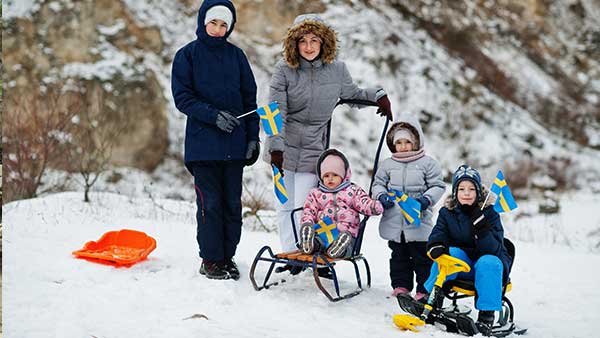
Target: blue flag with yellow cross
point(271, 118)
point(327, 230)
point(279, 185)
point(410, 207)
point(505, 201)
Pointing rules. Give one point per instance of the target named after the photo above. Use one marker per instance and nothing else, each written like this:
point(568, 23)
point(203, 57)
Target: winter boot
point(421, 297)
point(339, 247)
point(294, 270)
point(213, 270)
point(325, 273)
point(307, 239)
point(232, 269)
point(400, 290)
point(485, 321)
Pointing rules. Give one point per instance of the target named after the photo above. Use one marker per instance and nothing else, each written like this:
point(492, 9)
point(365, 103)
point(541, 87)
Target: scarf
point(408, 156)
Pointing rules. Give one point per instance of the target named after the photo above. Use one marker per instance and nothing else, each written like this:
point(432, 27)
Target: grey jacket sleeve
point(434, 182)
point(278, 92)
point(382, 177)
point(350, 90)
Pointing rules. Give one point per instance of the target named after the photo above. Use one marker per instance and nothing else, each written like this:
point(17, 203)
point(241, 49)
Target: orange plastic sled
point(118, 248)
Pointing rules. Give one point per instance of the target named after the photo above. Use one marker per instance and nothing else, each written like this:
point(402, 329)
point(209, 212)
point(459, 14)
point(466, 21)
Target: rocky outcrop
point(93, 44)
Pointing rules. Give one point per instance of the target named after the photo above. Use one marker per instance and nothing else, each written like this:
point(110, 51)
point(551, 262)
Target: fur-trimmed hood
point(452, 204)
point(410, 122)
point(309, 23)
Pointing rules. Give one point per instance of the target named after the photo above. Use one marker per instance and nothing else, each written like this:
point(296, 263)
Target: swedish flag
point(410, 207)
point(505, 201)
point(271, 118)
point(280, 191)
point(327, 230)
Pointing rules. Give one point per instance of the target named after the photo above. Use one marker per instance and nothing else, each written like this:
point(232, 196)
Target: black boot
point(485, 321)
point(293, 269)
point(213, 270)
point(284, 268)
point(324, 273)
point(232, 269)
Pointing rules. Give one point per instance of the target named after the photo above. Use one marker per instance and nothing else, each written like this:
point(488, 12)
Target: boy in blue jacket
point(212, 84)
point(471, 231)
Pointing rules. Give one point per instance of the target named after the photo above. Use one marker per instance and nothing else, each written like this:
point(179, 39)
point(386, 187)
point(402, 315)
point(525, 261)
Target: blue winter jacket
point(454, 228)
point(210, 74)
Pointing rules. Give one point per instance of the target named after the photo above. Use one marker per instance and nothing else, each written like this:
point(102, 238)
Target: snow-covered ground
point(49, 293)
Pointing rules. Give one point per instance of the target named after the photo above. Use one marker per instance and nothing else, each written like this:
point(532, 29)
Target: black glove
point(252, 152)
point(226, 122)
point(424, 202)
point(385, 201)
point(480, 223)
point(385, 107)
point(277, 160)
point(435, 250)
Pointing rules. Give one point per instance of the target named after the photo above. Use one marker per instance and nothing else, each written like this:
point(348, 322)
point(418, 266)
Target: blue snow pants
point(487, 274)
point(218, 186)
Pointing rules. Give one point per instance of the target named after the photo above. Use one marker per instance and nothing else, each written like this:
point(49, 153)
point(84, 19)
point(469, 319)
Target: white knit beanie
point(404, 134)
point(219, 12)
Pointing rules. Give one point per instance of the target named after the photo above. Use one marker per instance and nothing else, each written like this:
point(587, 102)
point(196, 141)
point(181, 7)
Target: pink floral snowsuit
point(343, 206)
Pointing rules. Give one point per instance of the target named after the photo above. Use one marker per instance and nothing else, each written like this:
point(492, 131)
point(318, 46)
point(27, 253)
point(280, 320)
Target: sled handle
point(448, 265)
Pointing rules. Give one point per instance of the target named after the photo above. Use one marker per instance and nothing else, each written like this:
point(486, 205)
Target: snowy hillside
point(48, 293)
point(406, 47)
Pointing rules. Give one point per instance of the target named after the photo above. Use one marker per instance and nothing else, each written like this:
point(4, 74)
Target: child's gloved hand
point(480, 223)
point(435, 250)
point(385, 201)
point(424, 202)
point(226, 122)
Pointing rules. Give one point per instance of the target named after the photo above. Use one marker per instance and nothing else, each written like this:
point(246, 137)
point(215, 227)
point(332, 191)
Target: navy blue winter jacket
point(455, 228)
point(210, 74)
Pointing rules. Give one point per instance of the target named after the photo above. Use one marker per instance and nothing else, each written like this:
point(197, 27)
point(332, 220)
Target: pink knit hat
point(334, 164)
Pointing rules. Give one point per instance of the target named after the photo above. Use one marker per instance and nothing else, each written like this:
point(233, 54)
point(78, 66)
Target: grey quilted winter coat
point(307, 96)
point(422, 177)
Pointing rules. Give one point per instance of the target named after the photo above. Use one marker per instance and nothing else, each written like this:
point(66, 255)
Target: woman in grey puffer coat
point(418, 175)
point(307, 84)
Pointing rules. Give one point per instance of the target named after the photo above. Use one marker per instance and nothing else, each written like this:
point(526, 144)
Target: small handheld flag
point(327, 230)
point(411, 208)
point(505, 201)
point(271, 118)
point(279, 186)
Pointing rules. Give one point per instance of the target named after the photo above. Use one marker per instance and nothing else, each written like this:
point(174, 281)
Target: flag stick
point(246, 114)
point(486, 198)
point(250, 112)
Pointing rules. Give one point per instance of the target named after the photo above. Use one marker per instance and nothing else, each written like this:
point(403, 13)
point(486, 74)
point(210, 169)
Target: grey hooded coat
point(421, 177)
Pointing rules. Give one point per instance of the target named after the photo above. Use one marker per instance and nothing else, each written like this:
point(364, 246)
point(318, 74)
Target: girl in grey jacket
point(413, 172)
point(307, 84)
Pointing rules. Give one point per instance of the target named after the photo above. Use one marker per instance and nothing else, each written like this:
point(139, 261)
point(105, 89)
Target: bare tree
point(96, 135)
point(37, 130)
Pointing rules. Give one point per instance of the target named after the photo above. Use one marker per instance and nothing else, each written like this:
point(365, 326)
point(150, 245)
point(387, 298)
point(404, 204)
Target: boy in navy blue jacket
point(470, 230)
point(212, 84)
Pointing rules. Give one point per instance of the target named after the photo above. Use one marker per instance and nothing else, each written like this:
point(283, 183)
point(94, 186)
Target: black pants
point(218, 186)
point(409, 257)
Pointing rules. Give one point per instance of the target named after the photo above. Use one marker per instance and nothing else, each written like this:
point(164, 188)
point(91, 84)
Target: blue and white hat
point(464, 172)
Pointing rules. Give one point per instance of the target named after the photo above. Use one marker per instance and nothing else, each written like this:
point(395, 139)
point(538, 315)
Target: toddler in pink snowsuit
point(339, 199)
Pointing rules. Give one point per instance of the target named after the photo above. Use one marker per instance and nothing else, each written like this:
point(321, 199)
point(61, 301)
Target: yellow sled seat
point(467, 287)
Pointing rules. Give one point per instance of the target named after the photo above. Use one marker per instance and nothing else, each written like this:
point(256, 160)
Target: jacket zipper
point(335, 208)
point(201, 203)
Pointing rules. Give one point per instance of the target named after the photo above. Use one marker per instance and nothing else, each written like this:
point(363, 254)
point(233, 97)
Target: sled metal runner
point(320, 261)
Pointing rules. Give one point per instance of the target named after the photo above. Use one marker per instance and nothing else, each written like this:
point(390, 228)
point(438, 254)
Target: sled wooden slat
point(298, 256)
